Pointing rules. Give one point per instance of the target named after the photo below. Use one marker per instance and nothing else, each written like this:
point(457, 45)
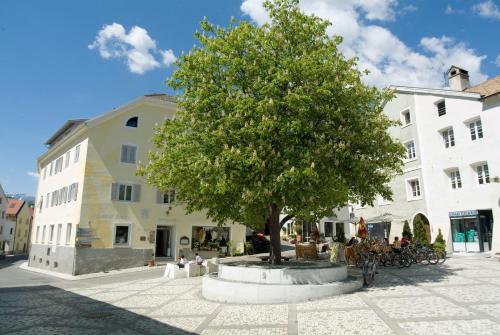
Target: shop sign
point(463, 213)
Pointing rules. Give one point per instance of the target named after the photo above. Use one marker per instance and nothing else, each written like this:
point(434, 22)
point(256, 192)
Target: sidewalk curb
point(24, 266)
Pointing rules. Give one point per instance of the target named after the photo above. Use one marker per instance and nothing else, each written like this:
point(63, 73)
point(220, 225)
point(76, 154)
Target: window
point(410, 150)
point(54, 199)
point(11, 231)
point(64, 195)
point(122, 235)
point(128, 154)
point(125, 192)
point(448, 138)
point(40, 204)
point(47, 200)
point(77, 153)
point(329, 229)
point(44, 172)
point(43, 234)
point(476, 130)
point(483, 174)
point(68, 232)
point(405, 117)
point(59, 231)
point(59, 164)
point(1, 230)
point(456, 181)
point(414, 188)
point(132, 122)
point(441, 108)
point(167, 197)
point(66, 164)
point(51, 233)
point(51, 168)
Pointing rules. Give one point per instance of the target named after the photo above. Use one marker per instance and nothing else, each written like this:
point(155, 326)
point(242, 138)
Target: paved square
point(424, 299)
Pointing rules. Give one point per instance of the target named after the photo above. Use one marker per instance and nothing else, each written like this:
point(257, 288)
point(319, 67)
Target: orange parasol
point(362, 230)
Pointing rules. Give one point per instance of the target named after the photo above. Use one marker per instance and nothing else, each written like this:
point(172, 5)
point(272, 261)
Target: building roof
point(64, 130)
point(488, 88)
point(161, 96)
point(14, 206)
point(435, 91)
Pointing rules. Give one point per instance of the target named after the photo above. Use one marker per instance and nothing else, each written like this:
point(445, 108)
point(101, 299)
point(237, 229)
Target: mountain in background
point(28, 198)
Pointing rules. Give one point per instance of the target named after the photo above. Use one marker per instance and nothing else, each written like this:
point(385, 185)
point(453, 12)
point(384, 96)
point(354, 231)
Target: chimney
point(458, 78)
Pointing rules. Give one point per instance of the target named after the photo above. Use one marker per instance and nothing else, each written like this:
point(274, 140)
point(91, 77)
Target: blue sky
point(48, 72)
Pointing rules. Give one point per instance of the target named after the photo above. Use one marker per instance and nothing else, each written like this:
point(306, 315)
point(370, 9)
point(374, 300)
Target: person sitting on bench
point(181, 262)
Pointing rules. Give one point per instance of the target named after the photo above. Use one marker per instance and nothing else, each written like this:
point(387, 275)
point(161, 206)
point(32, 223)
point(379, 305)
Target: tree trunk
point(274, 232)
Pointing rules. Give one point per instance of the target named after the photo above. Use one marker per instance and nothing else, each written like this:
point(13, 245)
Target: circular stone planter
point(257, 283)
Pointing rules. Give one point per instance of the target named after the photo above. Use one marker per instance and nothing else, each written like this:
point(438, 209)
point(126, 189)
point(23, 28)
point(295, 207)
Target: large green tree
point(273, 119)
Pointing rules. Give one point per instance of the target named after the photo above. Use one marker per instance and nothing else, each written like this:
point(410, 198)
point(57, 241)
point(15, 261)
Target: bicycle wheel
point(442, 256)
point(433, 258)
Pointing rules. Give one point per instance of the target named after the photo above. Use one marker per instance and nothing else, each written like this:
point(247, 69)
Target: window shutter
point(132, 151)
point(124, 157)
point(159, 197)
point(114, 191)
point(76, 191)
point(136, 193)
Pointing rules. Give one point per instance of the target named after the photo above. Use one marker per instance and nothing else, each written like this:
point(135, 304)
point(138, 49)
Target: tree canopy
point(273, 118)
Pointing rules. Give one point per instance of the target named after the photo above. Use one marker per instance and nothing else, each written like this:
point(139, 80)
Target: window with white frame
point(406, 117)
point(410, 150)
point(37, 234)
point(47, 200)
point(414, 188)
point(44, 172)
point(51, 168)
point(441, 108)
point(128, 154)
point(483, 174)
point(66, 163)
point(43, 234)
point(59, 232)
point(455, 179)
point(68, 232)
point(167, 197)
point(51, 233)
point(122, 235)
point(476, 130)
point(77, 153)
point(448, 137)
point(54, 199)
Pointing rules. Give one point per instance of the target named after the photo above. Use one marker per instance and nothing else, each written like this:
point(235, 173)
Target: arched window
point(132, 122)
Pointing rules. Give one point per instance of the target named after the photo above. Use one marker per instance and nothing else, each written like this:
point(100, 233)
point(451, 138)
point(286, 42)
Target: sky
point(63, 60)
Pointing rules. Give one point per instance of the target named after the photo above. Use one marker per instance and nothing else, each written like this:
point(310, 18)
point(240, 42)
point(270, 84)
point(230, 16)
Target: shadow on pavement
point(10, 260)
point(50, 310)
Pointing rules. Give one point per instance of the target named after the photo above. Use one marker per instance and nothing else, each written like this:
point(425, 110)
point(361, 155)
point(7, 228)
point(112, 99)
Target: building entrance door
point(163, 241)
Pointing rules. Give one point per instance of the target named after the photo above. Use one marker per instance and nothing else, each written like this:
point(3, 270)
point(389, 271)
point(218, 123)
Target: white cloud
point(32, 174)
point(136, 47)
point(168, 57)
point(497, 61)
point(389, 60)
point(487, 9)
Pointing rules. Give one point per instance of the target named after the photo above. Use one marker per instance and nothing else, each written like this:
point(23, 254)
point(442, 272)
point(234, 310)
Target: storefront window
point(210, 238)
point(465, 234)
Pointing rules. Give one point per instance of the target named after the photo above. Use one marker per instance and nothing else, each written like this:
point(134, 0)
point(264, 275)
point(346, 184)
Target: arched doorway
point(427, 225)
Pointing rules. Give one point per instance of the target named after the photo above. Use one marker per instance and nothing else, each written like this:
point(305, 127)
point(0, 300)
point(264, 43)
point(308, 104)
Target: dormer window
point(132, 122)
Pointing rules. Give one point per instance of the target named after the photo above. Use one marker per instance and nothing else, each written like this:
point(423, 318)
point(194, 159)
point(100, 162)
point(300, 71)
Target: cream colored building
point(16, 230)
point(94, 214)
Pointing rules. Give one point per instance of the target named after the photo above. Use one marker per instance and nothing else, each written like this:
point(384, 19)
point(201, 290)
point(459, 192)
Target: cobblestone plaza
point(461, 296)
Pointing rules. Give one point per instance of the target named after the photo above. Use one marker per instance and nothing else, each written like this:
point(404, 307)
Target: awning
point(386, 217)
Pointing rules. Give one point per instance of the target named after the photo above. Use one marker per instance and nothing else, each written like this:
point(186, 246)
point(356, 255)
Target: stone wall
point(55, 258)
point(91, 260)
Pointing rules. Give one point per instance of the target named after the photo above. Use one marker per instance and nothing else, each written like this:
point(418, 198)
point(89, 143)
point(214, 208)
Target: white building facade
point(450, 175)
